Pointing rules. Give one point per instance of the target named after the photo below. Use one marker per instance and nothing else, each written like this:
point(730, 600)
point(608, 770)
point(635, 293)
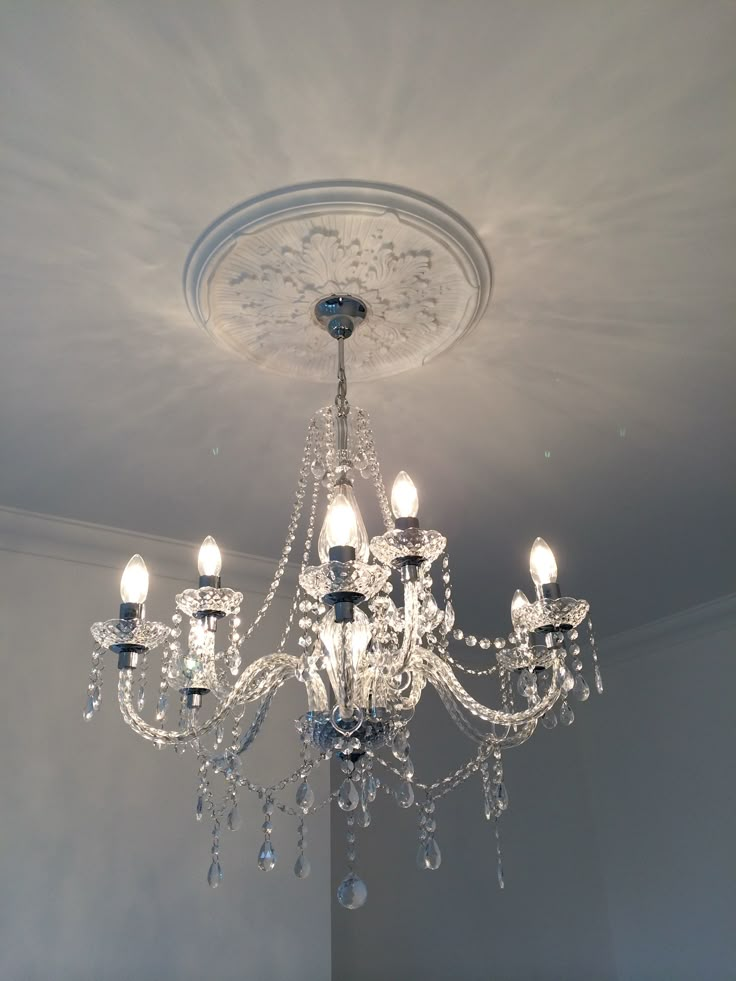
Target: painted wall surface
point(102, 863)
point(659, 753)
point(550, 921)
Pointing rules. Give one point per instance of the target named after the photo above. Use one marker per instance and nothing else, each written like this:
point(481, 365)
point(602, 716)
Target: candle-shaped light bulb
point(134, 582)
point(404, 497)
point(210, 559)
point(343, 525)
point(518, 603)
point(542, 563)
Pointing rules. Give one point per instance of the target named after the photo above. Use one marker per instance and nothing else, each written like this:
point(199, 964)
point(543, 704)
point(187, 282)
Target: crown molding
point(53, 537)
point(687, 627)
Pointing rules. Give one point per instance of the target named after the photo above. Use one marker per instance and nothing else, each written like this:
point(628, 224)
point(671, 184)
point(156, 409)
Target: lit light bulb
point(343, 526)
point(404, 497)
point(542, 563)
point(518, 603)
point(134, 582)
point(210, 559)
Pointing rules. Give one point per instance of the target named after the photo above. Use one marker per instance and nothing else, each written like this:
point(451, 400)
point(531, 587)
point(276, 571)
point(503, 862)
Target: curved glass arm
point(259, 680)
point(454, 696)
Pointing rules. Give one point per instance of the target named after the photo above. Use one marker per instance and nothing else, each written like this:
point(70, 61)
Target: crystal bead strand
point(470, 640)
point(485, 777)
point(352, 891)
point(580, 689)
point(429, 855)
point(267, 854)
point(499, 856)
point(400, 748)
point(598, 677)
point(233, 657)
point(297, 601)
point(141, 699)
point(499, 793)
point(94, 685)
point(374, 469)
point(170, 651)
point(304, 802)
point(290, 536)
point(362, 815)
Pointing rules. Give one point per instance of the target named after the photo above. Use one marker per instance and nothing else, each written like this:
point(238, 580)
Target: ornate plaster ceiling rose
point(256, 275)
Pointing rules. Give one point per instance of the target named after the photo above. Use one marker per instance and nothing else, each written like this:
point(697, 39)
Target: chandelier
point(370, 625)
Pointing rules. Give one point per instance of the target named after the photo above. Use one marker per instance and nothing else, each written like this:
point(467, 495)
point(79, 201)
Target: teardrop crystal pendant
point(352, 891)
point(234, 820)
point(267, 856)
point(200, 808)
point(501, 796)
point(598, 680)
point(549, 719)
point(405, 794)
point(363, 817)
point(370, 788)
point(214, 876)
point(567, 716)
point(162, 705)
point(302, 866)
point(432, 854)
point(580, 690)
point(304, 796)
point(347, 795)
point(89, 709)
point(449, 616)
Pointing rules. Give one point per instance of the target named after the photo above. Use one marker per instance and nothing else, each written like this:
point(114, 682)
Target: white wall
point(102, 864)
point(550, 921)
point(659, 753)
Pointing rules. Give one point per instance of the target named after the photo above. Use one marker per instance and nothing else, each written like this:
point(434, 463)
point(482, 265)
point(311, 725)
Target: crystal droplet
point(219, 733)
point(408, 769)
point(400, 745)
point(487, 805)
point(141, 699)
point(234, 820)
point(267, 856)
point(432, 854)
point(347, 795)
point(96, 696)
point(567, 716)
point(363, 817)
point(304, 796)
point(549, 720)
point(370, 788)
point(501, 796)
point(580, 690)
point(598, 680)
point(499, 875)
point(421, 856)
point(200, 807)
point(163, 704)
point(352, 891)
point(89, 709)
point(405, 794)
point(214, 876)
point(449, 616)
point(302, 866)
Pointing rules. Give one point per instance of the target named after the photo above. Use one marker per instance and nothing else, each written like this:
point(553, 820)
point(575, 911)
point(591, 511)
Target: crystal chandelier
point(362, 656)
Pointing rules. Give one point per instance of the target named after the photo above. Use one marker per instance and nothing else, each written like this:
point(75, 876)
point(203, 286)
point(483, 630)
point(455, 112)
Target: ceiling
point(592, 147)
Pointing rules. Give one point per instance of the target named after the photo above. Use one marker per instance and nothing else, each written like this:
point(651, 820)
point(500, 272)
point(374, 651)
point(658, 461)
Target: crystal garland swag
point(377, 658)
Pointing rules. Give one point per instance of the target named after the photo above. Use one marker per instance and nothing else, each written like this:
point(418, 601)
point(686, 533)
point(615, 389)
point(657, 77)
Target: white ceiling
point(593, 148)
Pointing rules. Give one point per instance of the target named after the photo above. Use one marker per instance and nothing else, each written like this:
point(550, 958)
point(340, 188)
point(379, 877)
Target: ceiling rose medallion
point(379, 280)
point(255, 276)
